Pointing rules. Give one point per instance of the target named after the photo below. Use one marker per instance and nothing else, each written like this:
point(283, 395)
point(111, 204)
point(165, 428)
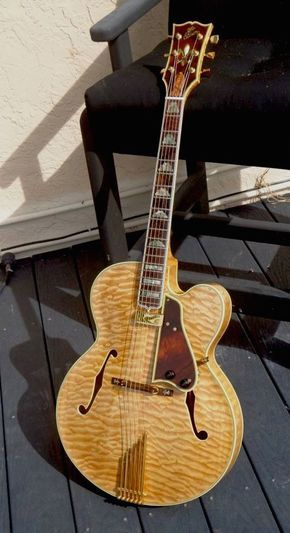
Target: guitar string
point(123, 395)
point(138, 451)
point(165, 154)
point(154, 232)
point(170, 124)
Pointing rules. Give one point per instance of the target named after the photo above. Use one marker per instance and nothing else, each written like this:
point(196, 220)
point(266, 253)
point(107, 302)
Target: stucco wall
point(47, 61)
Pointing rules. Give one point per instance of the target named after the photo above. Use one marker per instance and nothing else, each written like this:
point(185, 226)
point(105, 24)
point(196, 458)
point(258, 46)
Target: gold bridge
point(133, 385)
point(130, 483)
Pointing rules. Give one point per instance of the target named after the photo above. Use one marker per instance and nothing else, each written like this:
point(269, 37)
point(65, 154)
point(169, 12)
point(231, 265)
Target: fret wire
point(163, 185)
point(162, 208)
point(159, 239)
point(156, 229)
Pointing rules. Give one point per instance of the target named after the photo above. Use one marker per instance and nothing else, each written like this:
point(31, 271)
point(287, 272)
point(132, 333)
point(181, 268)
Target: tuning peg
point(162, 71)
point(214, 39)
point(166, 55)
point(210, 55)
point(206, 72)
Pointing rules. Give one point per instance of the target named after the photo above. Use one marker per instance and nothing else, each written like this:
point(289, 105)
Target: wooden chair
point(240, 116)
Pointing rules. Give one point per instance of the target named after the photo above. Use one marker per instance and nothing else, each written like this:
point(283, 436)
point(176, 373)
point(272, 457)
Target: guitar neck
point(160, 215)
point(181, 75)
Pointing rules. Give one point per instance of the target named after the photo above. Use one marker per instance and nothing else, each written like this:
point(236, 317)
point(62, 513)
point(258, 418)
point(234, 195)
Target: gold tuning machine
point(210, 55)
point(166, 55)
point(214, 39)
point(206, 72)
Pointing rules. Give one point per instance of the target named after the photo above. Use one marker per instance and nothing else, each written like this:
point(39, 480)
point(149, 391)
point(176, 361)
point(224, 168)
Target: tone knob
point(170, 374)
point(184, 383)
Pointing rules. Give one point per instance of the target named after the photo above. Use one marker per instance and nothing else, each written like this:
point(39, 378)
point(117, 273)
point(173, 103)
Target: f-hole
point(83, 410)
point(190, 400)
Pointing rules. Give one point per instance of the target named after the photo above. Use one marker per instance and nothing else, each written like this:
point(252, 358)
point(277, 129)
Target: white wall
point(47, 62)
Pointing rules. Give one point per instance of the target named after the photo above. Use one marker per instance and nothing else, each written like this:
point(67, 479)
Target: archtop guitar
point(147, 414)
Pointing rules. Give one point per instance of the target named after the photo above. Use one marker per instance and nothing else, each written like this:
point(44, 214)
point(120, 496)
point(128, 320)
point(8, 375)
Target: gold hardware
point(205, 72)
point(210, 55)
point(175, 53)
point(202, 361)
point(195, 53)
point(171, 69)
point(192, 70)
point(214, 39)
point(166, 55)
point(144, 387)
point(162, 70)
point(178, 36)
point(199, 36)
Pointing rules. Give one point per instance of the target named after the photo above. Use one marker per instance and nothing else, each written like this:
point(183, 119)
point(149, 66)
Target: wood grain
point(178, 466)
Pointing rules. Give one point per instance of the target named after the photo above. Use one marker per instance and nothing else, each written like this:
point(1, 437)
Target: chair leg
point(106, 197)
point(192, 194)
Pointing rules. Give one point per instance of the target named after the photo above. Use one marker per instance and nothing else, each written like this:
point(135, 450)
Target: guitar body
point(146, 414)
point(132, 442)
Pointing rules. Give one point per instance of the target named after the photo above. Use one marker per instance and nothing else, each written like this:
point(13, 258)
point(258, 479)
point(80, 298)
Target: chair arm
point(114, 24)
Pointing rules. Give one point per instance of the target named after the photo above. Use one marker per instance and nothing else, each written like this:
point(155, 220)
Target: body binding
point(138, 446)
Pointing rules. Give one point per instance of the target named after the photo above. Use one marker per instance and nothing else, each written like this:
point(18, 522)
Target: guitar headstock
point(188, 49)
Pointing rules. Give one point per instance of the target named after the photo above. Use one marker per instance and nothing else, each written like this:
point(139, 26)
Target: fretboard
point(160, 215)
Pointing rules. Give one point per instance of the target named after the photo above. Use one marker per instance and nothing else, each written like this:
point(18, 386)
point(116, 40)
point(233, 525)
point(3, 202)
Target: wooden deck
point(46, 325)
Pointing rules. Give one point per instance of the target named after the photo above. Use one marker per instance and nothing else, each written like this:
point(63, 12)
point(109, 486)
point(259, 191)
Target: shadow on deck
point(46, 325)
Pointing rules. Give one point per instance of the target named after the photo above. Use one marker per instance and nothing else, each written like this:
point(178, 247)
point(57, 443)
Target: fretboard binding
point(165, 173)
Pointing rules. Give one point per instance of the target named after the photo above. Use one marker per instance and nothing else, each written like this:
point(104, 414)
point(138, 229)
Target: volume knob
point(170, 374)
point(184, 383)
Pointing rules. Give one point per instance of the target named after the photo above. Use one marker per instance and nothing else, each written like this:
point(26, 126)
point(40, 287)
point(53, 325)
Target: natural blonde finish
point(139, 446)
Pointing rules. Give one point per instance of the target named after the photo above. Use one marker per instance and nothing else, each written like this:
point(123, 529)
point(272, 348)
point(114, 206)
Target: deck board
point(269, 447)
point(4, 495)
point(46, 324)
point(271, 337)
point(252, 507)
point(39, 494)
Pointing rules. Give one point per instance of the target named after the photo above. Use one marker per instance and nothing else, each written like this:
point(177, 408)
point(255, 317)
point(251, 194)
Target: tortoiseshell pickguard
point(175, 363)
